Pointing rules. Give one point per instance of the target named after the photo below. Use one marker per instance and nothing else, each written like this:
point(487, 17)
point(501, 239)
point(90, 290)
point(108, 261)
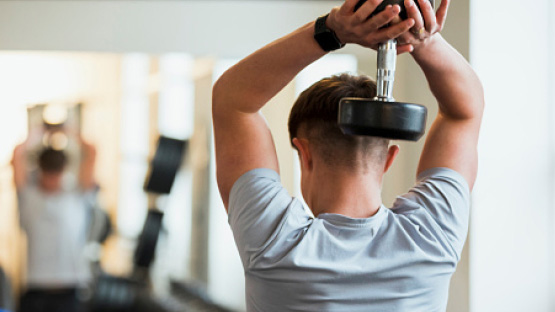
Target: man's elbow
point(220, 99)
point(217, 91)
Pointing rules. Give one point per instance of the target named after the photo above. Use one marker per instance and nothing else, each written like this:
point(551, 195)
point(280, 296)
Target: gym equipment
point(165, 165)
point(132, 293)
point(194, 297)
point(117, 294)
point(113, 294)
point(148, 239)
point(163, 169)
point(382, 116)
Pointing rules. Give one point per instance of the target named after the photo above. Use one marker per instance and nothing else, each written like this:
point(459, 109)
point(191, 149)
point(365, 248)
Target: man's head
point(51, 166)
point(314, 118)
point(315, 134)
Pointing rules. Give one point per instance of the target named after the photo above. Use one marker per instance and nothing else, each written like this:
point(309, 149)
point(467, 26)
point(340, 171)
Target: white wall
point(511, 247)
point(551, 64)
point(219, 27)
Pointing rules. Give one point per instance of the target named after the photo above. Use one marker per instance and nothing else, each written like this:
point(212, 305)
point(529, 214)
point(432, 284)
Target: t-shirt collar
point(342, 220)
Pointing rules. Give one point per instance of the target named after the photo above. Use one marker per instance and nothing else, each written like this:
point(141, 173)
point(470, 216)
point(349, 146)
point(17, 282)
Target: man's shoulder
point(438, 205)
point(256, 185)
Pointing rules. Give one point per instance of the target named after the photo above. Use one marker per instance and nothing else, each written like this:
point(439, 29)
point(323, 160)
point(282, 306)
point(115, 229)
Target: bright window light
point(176, 109)
point(133, 203)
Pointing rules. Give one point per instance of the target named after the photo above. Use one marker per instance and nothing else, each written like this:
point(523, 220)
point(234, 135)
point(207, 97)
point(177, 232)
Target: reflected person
point(55, 219)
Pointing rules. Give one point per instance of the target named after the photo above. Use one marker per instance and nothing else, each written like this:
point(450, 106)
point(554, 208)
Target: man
point(55, 219)
point(355, 255)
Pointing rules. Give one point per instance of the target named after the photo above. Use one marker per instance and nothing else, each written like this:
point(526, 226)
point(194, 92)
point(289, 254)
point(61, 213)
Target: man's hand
point(358, 27)
point(426, 22)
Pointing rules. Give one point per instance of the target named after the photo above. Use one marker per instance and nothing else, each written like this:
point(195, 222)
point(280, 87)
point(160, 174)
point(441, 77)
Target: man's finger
point(383, 18)
point(392, 32)
point(366, 9)
point(428, 14)
point(405, 38)
point(348, 7)
point(414, 13)
point(441, 13)
point(404, 48)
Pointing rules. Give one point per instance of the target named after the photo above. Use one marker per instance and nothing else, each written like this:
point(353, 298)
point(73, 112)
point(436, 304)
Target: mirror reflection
point(108, 177)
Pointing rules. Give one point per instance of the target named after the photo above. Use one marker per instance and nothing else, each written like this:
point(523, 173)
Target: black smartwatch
point(326, 37)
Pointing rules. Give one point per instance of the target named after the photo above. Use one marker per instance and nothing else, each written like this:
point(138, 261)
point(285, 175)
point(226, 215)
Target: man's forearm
point(86, 170)
point(19, 166)
point(248, 85)
point(452, 81)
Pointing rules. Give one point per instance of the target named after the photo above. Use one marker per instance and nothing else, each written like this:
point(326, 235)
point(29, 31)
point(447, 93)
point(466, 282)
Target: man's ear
point(392, 152)
point(302, 146)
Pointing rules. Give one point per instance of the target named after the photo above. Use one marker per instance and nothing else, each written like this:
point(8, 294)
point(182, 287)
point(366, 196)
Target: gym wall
point(512, 238)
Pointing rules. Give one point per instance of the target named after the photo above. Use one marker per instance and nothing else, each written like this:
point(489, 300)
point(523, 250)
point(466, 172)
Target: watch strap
point(326, 38)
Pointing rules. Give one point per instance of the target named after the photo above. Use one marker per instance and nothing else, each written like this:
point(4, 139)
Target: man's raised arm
point(453, 138)
point(19, 166)
point(86, 170)
point(242, 138)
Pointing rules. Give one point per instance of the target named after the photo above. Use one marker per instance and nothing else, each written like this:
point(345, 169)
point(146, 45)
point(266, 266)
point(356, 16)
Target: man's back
point(400, 259)
point(56, 227)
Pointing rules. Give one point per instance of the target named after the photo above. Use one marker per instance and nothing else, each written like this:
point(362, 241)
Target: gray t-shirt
point(56, 226)
point(400, 259)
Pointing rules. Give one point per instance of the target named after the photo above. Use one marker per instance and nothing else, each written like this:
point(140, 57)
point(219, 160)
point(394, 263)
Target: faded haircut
point(314, 117)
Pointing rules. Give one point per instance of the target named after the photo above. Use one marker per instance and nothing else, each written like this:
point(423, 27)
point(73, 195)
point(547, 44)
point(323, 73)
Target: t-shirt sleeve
point(259, 207)
point(444, 195)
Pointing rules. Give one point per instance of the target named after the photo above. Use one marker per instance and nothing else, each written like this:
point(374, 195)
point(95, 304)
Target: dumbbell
point(382, 116)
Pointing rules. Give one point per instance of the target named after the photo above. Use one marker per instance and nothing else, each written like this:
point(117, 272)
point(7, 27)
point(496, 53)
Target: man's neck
point(346, 193)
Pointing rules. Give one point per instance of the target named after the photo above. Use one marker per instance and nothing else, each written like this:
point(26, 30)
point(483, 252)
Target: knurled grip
point(387, 58)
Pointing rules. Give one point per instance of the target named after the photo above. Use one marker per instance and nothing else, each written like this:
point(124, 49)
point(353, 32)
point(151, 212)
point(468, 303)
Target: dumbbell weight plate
point(391, 120)
point(146, 245)
point(164, 166)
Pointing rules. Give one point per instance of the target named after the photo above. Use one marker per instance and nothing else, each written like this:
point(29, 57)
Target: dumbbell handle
point(387, 57)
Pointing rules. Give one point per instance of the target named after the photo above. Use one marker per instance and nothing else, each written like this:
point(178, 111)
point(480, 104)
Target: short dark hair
point(314, 116)
point(52, 161)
